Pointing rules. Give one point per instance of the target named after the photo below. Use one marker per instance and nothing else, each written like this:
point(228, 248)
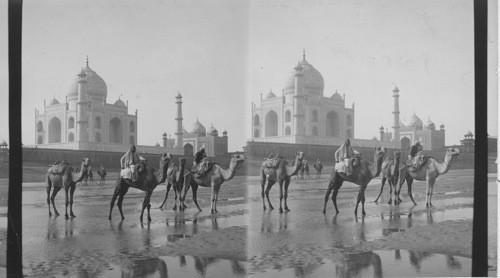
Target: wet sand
point(243, 240)
point(301, 242)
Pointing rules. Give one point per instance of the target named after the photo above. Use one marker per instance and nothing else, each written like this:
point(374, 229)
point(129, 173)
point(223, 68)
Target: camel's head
point(165, 158)
point(182, 161)
point(453, 152)
point(379, 152)
point(237, 159)
point(300, 156)
point(85, 162)
point(397, 154)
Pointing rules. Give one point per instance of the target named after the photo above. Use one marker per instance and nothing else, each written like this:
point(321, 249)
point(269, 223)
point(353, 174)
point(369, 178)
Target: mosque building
point(85, 121)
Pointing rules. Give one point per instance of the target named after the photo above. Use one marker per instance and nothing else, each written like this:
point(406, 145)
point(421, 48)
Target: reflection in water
point(416, 259)
point(145, 267)
point(452, 263)
point(354, 264)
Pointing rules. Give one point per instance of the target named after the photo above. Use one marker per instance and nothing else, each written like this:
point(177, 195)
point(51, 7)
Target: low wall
point(110, 160)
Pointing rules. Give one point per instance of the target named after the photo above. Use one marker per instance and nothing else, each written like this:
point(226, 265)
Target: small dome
point(224, 132)
point(212, 131)
point(3, 144)
point(53, 101)
point(270, 95)
point(430, 125)
point(198, 128)
point(164, 134)
point(468, 134)
point(120, 102)
point(95, 85)
point(157, 145)
point(337, 97)
point(312, 79)
point(374, 138)
point(414, 121)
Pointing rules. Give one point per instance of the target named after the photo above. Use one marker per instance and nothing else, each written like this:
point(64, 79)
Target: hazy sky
point(222, 54)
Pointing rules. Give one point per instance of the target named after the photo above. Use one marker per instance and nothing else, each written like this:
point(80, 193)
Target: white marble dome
point(53, 101)
point(96, 87)
point(430, 125)
point(198, 128)
point(414, 121)
point(120, 103)
point(312, 80)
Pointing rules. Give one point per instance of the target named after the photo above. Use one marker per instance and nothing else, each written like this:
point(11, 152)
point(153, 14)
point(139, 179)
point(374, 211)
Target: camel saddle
point(414, 164)
point(172, 168)
point(202, 168)
point(273, 161)
point(58, 167)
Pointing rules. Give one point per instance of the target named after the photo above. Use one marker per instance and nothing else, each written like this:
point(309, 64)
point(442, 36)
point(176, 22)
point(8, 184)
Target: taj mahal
point(85, 121)
point(302, 114)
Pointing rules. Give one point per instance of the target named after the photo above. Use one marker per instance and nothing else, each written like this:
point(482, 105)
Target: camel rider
point(416, 155)
point(343, 158)
point(198, 158)
point(129, 164)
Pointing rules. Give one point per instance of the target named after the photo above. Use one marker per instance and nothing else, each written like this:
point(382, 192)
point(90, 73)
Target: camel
point(175, 179)
point(102, 173)
point(281, 174)
point(149, 178)
point(390, 173)
point(89, 178)
point(318, 168)
point(304, 171)
point(428, 172)
point(66, 178)
point(214, 178)
point(362, 175)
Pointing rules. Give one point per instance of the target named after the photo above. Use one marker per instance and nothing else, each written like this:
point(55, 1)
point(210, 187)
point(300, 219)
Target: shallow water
point(396, 263)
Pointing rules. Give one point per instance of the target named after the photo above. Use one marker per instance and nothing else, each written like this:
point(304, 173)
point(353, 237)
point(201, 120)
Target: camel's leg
point(113, 199)
point(195, 189)
point(409, 182)
point(327, 195)
point(280, 182)
point(363, 200)
point(287, 182)
point(48, 186)
point(123, 191)
point(334, 198)
point(66, 191)
point(212, 207)
point(71, 193)
point(176, 196)
point(428, 190)
point(52, 198)
point(146, 205)
point(381, 189)
point(360, 198)
point(268, 188)
point(217, 188)
point(166, 195)
point(262, 185)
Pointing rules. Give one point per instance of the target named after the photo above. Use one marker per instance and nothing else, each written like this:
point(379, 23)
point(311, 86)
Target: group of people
point(131, 160)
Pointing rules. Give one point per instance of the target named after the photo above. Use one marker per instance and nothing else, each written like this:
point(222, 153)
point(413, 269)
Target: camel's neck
point(181, 170)
point(445, 166)
point(292, 170)
point(78, 177)
point(229, 173)
point(376, 167)
point(161, 173)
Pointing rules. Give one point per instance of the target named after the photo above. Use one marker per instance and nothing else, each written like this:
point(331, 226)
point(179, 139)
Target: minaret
point(381, 133)
point(81, 116)
point(298, 113)
point(178, 134)
point(396, 113)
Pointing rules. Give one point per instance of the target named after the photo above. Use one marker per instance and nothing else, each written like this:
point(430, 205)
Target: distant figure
point(102, 173)
point(318, 166)
point(129, 164)
point(343, 158)
point(199, 156)
point(416, 156)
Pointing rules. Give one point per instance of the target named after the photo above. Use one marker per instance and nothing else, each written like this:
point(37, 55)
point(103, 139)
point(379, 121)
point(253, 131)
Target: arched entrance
point(271, 124)
point(188, 150)
point(55, 130)
point(405, 143)
point(332, 125)
point(115, 131)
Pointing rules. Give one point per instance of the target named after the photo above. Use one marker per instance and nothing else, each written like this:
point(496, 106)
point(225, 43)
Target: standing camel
point(281, 174)
point(102, 173)
point(214, 178)
point(428, 172)
point(89, 178)
point(147, 182)
point(64, 176)
point(362, 175)
point(318, 168)
point(175, 179)
point(390, 173)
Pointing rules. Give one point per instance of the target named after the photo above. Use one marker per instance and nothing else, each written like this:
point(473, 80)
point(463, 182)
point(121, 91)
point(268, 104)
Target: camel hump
point(272, 161)
point(172, 168)
point(204, 167)
point(57, 169)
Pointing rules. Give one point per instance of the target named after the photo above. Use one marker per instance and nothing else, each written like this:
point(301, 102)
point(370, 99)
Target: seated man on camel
point(200, 164)
point(344, 156)
point(129, 163)
point(416, 156)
